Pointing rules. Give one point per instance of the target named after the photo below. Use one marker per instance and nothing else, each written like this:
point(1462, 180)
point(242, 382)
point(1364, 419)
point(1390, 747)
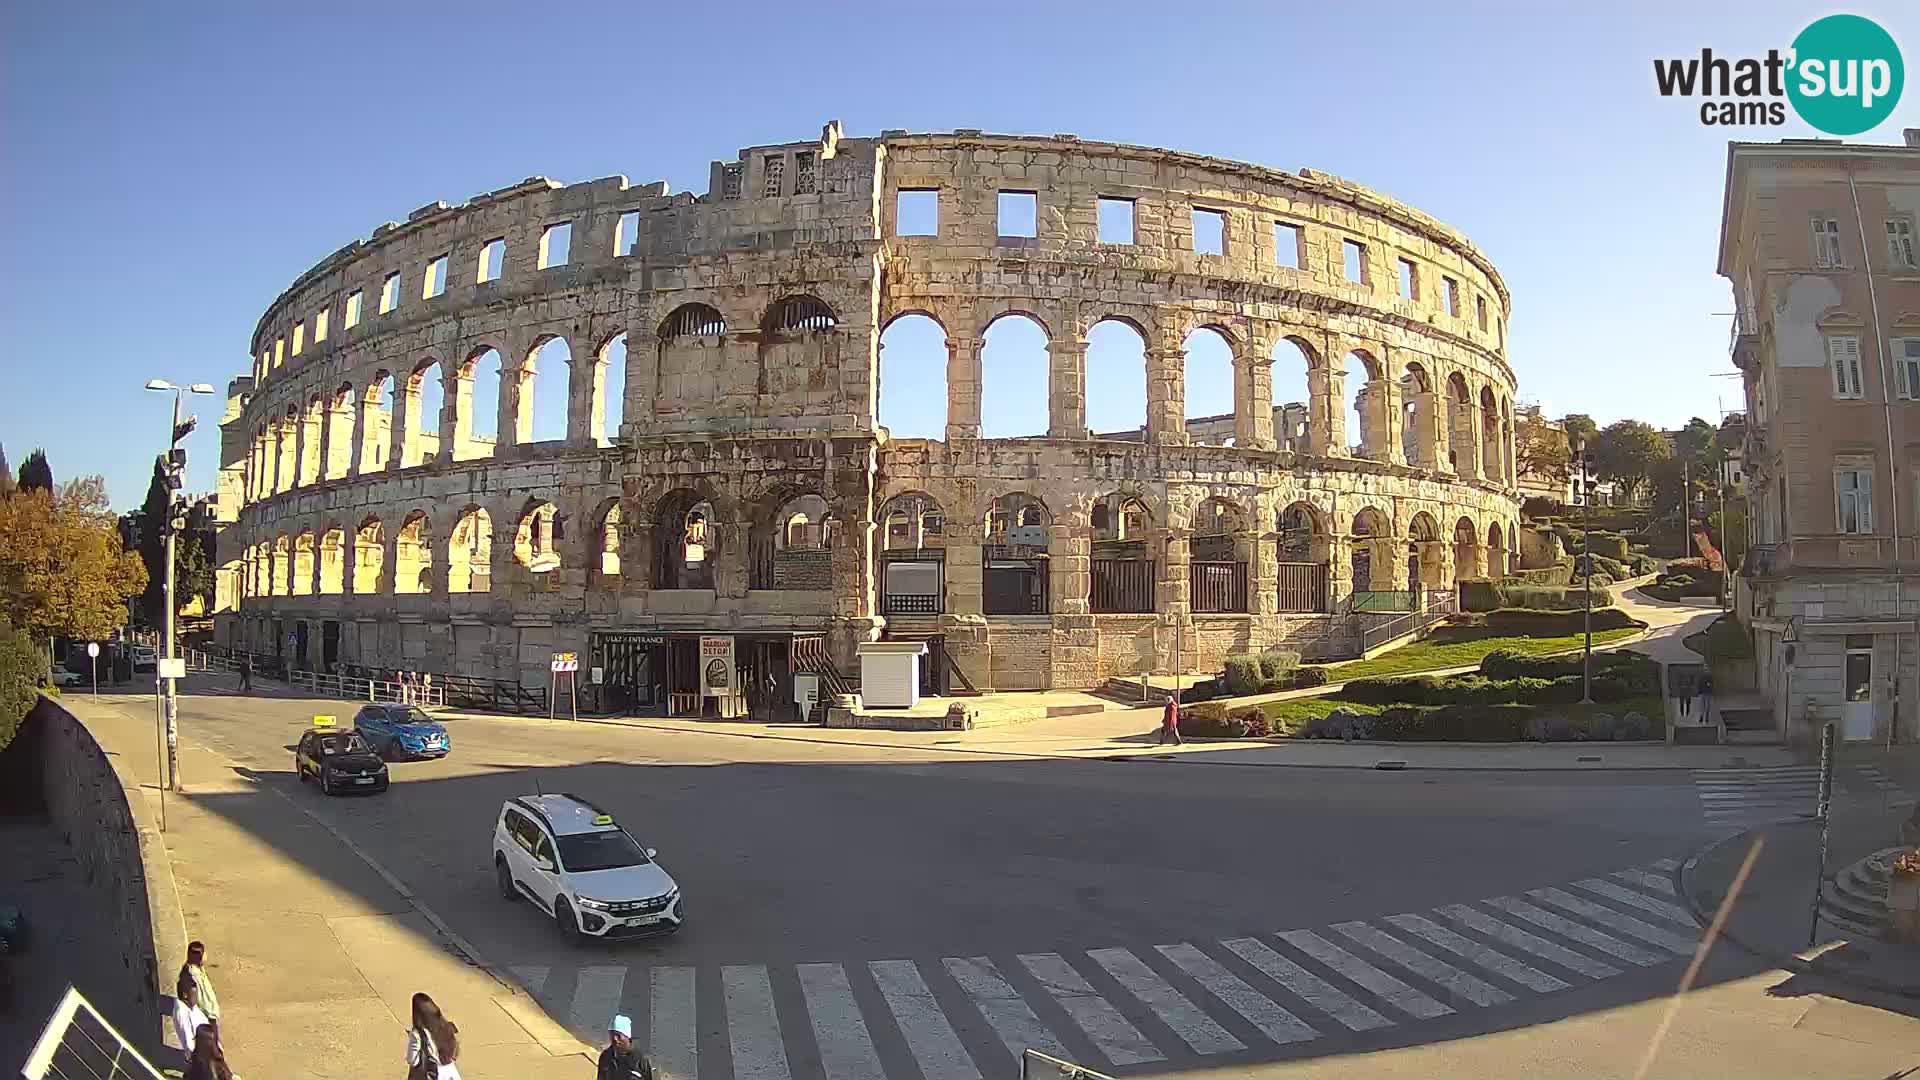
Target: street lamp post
point(176, 461)
point(1583, 490)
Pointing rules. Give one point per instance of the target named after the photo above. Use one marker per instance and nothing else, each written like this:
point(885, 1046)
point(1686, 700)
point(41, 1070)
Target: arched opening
point(692, 346)
point(1463, 449)
point(792, 544)
point(1209, 385)
point(426, 398)
point(413, 555)
point(1123, 556)
point(376, 423)
point(333, 561)
point(1117, 380)
point(1367, 412)
point(1013, 558)
point(611, 536)
point(1496, 551)
point(609, 391)
point(798, 355)
point(1492, 456)
point(369, 555)
point(1426, 555)
point(340, 418)
point(288, 476)
point(686, 542)
point(1466, 550)
point(1218, 556)
point(480, 386)
point(1305, 546)
point(1293, 414)
point(536, 540)
point(1419, 416)
point(544, 398)
point(1371, 558)
point(913, 556)
point(913, 378)
point(1015, 371)
point(303, 563)
point(470, 553)
point(310, 429)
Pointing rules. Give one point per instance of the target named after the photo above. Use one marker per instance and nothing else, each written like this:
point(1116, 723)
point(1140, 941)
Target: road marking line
point(1195, 1028)
point(1657, 882)
point(936, 1048)
point(1475, 919)
point(1256, 1008)
point(595, 999)
point(1311, 988)
point(1398, 994)
point(674, 1044)
point(1457, 982)
point(1491, 959)
point(845, 1047)
point(532, 976)
point(753, 1026)
point(1002, 1006)
point(1626, 924)
point(1585, 935)
point(1113, 1034)
point(1645, 903)
point(1665, 864)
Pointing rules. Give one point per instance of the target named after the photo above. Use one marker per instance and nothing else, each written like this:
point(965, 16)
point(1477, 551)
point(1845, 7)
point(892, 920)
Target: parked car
point(62, 677)
point(145, 658)
point(587, 873)
point(340, 760)
point(402, 731)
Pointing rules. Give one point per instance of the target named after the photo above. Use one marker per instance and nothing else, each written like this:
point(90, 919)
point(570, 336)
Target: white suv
point(570, 858)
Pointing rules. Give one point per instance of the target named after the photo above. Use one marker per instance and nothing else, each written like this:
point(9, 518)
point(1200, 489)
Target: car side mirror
point(541, 862)
point(653, 853)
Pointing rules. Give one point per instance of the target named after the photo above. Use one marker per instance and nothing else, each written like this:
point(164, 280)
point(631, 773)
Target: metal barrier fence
point(1389, 628)
point(340, 685)
point(78, 1042)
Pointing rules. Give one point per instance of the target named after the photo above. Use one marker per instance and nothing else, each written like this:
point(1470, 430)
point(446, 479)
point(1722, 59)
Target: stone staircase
point(1855, 898)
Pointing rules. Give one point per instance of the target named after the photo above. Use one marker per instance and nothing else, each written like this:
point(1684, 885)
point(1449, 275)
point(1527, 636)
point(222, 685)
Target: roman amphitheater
point(751, 500)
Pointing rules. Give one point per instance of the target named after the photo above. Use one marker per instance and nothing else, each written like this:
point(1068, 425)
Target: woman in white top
point(187, 1015)
point(433, 1043)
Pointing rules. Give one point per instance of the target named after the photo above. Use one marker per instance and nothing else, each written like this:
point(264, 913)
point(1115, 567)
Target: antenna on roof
point(536, 783)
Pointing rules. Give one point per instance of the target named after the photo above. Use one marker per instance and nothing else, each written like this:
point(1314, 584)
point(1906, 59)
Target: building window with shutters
point(1906, 367)
point(804, 182)
point(1900, 242)
point(1853, 494)
point(1826, 242)
point(773, 173)
point(1843, 357)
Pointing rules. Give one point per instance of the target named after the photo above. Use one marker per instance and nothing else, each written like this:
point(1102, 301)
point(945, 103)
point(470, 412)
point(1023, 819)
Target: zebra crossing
point(1182, 1003)
point(1744, 798)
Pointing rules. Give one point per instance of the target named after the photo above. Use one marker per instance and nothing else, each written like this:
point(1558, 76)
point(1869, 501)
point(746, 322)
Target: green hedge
point(22, 668)
point(1215, 721)
point(1242, 674)
point(1560, 573)
point(1478, 594)
point(1488, 594)
point(1477, 723)
point(1508, 677)
point(1610, 544)
point(1278, 664)
point(1535, 623)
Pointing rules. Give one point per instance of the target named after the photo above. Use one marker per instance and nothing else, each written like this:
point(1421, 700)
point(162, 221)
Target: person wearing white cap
point(621, 1060)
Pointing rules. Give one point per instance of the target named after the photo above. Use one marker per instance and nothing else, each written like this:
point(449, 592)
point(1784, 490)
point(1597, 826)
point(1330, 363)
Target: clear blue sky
point(168, 169)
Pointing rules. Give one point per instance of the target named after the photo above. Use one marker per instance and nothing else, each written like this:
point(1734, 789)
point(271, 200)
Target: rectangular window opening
point(1480, 311)
point(1843, 356)
point(916, 212)
point(1906, 357)
point(279, 351)
point(390, 293)
point(435, 282)
point(1826, 242)
point(1853, 490)
point(773, 173)
point(320, 319)
point(1019, 213)
point(493, 259)
point(1354, 260)
point(730, 181)
point(1116, 220)
point(626, 234)
point(1209, 232)
point(299, 337)
point(1286, 245)
point(1409, 280)
point(353, 308)
point(805, 179)
point(1450, 296)
point(556, 244)
point(1900, 242)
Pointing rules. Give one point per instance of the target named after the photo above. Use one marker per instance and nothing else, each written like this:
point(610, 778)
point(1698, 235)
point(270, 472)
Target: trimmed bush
point(1479, 594)
point(1242, 674)
point(1550, 598)
point(1610, 544)
point(1304, 677)
point(1277, 664)
point(1536, 623)
point(1211, 712)
point(1560, 573)
point(1252, 720)
point(1542, 506)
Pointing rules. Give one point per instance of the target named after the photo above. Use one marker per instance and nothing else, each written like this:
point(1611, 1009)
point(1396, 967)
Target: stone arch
point(1369, 416)
point(686, 540)
point(913, 361)
point(425, 401)
point(1301, 414)
point(1116, 384)
point(610, 532)
point(470, 552)
point(1015, 559)
point(545, 403)
point(1463, 446)
point(798, 314)
point(1466, 550)
point(376, 422)
point(303, 554)
point(1426, 553)
point(1219, 552)
point(690, 366)
point(790, 539)
point(912, 521)
point(607, 404)
point(1419, 416)
point(1015, 376)
point(798, 353)
point(311, 425)
point(480, 377)
point(1210, 384)
point(1496, 551)
point(339, 419)
point(282, 568)
point(537, 537)
point(1492, 455)
point(413, 555)
point(369, 556)
point(1373, 551)
point(912, 555)
point(333, 560)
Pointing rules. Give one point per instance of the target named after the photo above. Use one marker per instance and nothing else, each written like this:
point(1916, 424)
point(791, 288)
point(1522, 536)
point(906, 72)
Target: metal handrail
point(1061, 1067)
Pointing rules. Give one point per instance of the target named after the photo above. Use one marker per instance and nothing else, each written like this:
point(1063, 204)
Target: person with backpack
point(433, 1043)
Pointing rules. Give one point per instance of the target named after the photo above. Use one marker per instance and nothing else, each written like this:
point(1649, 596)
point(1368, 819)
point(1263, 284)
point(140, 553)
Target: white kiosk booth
point(890, 673)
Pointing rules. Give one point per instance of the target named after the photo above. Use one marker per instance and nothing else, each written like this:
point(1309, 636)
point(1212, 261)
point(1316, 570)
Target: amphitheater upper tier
point(751, 492)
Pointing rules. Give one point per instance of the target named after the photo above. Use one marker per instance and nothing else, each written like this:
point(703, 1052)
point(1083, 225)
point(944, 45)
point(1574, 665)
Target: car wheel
point(326, 781)
point(299, 771)
point(569, 926)
point(504, 878)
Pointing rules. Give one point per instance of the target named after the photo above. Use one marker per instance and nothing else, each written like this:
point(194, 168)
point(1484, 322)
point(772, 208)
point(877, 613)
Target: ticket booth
point(890, 673)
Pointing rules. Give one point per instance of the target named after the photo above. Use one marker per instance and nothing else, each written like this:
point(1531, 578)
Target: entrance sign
point(716, 667)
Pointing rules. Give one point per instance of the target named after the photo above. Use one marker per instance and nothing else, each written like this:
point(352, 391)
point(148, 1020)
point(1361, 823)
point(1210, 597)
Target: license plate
point(644, 920)
point(363, 780)
point(433, 742)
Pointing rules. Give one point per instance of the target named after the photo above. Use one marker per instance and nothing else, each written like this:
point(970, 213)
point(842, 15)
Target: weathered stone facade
point(751, 485)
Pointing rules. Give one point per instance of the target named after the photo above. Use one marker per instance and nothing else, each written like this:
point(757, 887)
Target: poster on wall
point(716, 666)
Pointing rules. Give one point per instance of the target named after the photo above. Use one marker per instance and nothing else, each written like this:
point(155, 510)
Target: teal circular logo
point(1846, 75)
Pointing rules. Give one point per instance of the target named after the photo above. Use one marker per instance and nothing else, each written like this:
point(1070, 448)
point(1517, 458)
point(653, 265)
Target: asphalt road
point(1166, 890)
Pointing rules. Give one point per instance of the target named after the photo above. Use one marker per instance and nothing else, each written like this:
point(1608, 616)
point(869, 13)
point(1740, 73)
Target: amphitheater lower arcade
point(751, 501)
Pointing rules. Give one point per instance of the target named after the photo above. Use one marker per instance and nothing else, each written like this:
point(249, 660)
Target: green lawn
point(1289, 716)
point(1445, 649)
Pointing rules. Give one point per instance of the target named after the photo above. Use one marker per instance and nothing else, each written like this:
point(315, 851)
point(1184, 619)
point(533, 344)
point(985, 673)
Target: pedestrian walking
point(622, 1060)
point(188, 1018)
point(1170, 721)
point(1686, 699)
point(207, 1061)
point(426, 688)
point(246, 674)
point(1706, 698)
point(195, 969)
point(433, 1043)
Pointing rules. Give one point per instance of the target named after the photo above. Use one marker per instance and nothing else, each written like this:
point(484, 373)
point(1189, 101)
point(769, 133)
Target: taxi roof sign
point(603, 819)
point(325, 721)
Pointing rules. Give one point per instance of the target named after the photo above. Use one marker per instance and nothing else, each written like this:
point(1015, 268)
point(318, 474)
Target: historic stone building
point(751, 490)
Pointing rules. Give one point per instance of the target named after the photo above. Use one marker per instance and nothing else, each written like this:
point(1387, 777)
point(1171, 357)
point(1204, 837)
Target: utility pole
point(1686, 503)
point(168, 664)
point(1583, 490)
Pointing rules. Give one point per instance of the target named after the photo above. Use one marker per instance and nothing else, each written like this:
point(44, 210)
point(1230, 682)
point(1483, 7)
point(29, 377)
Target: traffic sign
point(172, 667)
point(93, 648)
point(566, 661)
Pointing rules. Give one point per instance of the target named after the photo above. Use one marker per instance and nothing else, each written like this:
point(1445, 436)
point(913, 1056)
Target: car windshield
point(409, 715)
point(342, 744)
point(611, 850)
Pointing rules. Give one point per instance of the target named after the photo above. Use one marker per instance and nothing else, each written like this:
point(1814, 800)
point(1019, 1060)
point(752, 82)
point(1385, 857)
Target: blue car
point(402, 731)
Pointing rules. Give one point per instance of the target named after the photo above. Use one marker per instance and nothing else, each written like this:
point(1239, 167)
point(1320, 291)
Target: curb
point(1801, 962)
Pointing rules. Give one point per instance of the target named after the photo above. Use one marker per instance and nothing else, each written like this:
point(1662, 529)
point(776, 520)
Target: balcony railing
point(1831, 552)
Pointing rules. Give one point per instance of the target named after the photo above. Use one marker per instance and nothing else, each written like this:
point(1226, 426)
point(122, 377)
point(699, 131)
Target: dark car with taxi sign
point(341, 761)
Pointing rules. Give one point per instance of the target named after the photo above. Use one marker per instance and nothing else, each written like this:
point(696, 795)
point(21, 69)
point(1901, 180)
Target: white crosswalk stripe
point(929, 1036)
point(1392, 990)
point(1111, 1032)
point(1005, 1011)
point(1130, 1011)
point(1665, 864)
point(1274, 1022)
point(846, 1050)
point(1745, 797)
point(1181, 1016)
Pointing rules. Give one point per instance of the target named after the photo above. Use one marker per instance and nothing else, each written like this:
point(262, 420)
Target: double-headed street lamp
point(1584, 488)
point(166, 669)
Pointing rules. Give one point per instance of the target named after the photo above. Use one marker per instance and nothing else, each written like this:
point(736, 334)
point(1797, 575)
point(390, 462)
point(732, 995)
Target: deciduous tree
point(1580, 429)
point(1626, 452)
point(1540, 448)
point(62, 569)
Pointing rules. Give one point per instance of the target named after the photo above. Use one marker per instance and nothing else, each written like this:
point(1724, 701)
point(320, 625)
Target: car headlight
point(590, 902)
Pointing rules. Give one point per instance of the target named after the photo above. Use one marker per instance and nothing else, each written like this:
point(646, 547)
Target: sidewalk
point(1772, 915)
point(315, 951)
